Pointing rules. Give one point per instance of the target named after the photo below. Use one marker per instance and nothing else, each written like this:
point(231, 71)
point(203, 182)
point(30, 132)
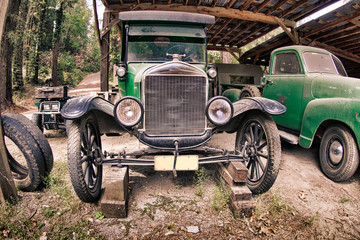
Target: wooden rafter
point(220, 29)
point(308, 10)
point(268, 48)
point(242, 32)
point(216, 20)
point(295, 6)
point(230, 32)
point(273, 9)
point(229, 5)
point(248, 36)
point(288, 32)
point(333, 23)
point(342, 35)
point(332, 31)
point(246, 4)
point(262, 5)
point(261, 34)
point(215, 11)
point(215, 2)
point(346, 41)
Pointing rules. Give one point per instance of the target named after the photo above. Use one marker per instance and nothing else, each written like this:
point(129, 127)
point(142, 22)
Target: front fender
point(317, 111)
point(77, 108)
point(244, 105)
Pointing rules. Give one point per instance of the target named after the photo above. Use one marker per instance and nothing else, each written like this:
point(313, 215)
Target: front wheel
point(339, 156)
point(84, 151)
point(258, 141)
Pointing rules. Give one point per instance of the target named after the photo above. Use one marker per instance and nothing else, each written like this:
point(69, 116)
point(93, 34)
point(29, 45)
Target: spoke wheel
point(339, 155)
point(258, 141)
point(84, 148)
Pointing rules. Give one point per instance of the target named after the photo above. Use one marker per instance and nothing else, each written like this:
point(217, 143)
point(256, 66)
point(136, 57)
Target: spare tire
point(39, 138)
point(20, 144)
point(250, 91)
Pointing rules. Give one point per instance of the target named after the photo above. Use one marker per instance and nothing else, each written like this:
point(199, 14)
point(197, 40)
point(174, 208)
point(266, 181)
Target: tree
point(6, 53)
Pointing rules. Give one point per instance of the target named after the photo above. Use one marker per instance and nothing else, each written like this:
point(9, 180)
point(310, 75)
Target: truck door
point(285, 83)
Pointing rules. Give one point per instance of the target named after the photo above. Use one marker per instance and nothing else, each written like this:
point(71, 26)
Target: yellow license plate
point(183, 163)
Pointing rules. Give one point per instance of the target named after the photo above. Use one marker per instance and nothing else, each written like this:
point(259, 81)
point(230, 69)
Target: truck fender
point(233, 94)
point(244, 105)
point(78, 107)
point(318, 111)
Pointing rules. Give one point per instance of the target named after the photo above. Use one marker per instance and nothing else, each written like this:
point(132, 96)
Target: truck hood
point(335, 86)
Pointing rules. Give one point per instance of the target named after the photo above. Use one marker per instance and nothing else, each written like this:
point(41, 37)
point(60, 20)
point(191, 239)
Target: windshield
point(319, 63)
point(162, 49)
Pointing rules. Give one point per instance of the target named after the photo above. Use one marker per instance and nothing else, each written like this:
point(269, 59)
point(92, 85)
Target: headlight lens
point(128, 111)
point(121, 71)
point(219, 111)
point(212, 72)
point(55, 107)
point(46, 106)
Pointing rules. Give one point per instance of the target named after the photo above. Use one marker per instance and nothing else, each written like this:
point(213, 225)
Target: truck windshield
point(161, 49)
point(319, 63)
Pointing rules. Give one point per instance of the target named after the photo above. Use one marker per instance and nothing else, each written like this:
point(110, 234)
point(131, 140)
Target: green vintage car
point(321, 101)
point(166, 102)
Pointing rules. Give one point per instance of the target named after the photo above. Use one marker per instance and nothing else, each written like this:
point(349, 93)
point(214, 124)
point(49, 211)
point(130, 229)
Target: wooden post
point(7, 185)
point(105, 48)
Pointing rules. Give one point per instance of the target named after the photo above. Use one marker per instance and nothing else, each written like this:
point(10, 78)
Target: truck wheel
point(25, 158)
point(250, 91)
point(37, 120)
point(339, 156)
point(39, 138)
point(84, 147)
point(258, 141)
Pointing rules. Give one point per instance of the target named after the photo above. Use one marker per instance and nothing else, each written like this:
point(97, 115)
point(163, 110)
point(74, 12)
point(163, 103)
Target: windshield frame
point(331, 60)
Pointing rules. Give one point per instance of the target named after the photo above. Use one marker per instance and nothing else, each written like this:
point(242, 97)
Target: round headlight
point(128, 111)
point(212, 72)
point(121, 71)
point(219, 110)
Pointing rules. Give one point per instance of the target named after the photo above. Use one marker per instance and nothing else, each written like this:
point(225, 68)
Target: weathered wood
point(287, 31)
point(238, 172)
point(215, 11)
point(105, 48)
point(115, 195)
point(7, 185)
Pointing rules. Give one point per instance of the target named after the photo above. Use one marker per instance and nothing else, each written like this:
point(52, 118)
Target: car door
point(285, 83)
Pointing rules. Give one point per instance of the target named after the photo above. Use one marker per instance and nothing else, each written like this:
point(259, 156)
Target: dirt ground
point(161, 206)
point(302, 204)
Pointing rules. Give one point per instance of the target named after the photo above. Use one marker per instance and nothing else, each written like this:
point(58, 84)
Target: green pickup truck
point(321, 100)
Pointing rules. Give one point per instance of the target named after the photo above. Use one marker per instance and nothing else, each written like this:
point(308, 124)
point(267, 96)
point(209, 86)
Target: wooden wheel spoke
point(251, 130)
point(252, 168)
point(261, 146)
point(261, 164)
point(257, 172)
point(256, 133)
point(263, 155)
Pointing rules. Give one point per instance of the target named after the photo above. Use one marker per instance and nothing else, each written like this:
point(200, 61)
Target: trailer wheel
point(258, 141)
point(339, 155)
point(39, 138)
point(84, 147)
point(37, 120)
point(250, 91)
point(24, 155)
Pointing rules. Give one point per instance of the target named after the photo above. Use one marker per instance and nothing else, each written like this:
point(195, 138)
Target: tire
point(29, 173)
point(250, 91)
point(84, 145)
point(258, 141)
point(37, 120)
point(39, 138)
point(338, 153)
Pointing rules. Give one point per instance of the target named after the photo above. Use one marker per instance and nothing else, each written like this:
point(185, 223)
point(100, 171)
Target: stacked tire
point(29, 153)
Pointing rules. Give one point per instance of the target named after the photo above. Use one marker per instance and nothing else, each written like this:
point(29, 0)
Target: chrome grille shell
point(174, 96)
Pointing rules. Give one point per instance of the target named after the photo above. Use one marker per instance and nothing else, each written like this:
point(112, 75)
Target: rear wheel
point(37, 120)
point(250, 91)
point(339, 155)
point(258, 141)
point(84, 150)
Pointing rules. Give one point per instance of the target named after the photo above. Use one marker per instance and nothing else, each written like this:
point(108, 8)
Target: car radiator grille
point(175, 105)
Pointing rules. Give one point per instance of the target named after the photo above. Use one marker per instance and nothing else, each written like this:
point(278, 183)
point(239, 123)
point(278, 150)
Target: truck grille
point(175, 105)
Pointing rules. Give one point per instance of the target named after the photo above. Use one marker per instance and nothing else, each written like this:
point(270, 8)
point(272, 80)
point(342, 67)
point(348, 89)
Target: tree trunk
point(6, 52)
point(57, 33)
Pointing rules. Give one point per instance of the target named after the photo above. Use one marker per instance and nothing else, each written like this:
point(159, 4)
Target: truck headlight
point(128, 111)
point(121, 71)
point(55, 107)
point(212, 73)
point(46, 107)
point(219, 110)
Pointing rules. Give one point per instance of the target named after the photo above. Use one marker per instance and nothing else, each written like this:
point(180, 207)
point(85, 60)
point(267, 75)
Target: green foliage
point(199, 178)
point(221, 196)
point(98, 215)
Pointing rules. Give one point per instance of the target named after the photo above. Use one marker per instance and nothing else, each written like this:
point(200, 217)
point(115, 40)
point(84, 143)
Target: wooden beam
point(333, 23)
point(273, 9)
point(248, 36)
point(96, 23)
point(262, 5)
point(104, 61)
point(268, 48)
point(230, 32)
point(342, 35)
point(290, 9)
point(7, 186)
point(233, 53)
point(287, 31)
point(108, 27)
point(311, 8)
point(235, 38)
point(246, 4)
point(220, 29)
point(334, 30)
point(215, 11)
point(229, 5)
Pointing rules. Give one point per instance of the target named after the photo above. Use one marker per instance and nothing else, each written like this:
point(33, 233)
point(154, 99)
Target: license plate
point(183, 163)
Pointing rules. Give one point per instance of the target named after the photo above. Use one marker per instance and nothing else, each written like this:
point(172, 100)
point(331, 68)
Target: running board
point(289, 137)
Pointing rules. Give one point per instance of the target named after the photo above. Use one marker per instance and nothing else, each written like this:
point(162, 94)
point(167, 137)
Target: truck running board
point(289, 137)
